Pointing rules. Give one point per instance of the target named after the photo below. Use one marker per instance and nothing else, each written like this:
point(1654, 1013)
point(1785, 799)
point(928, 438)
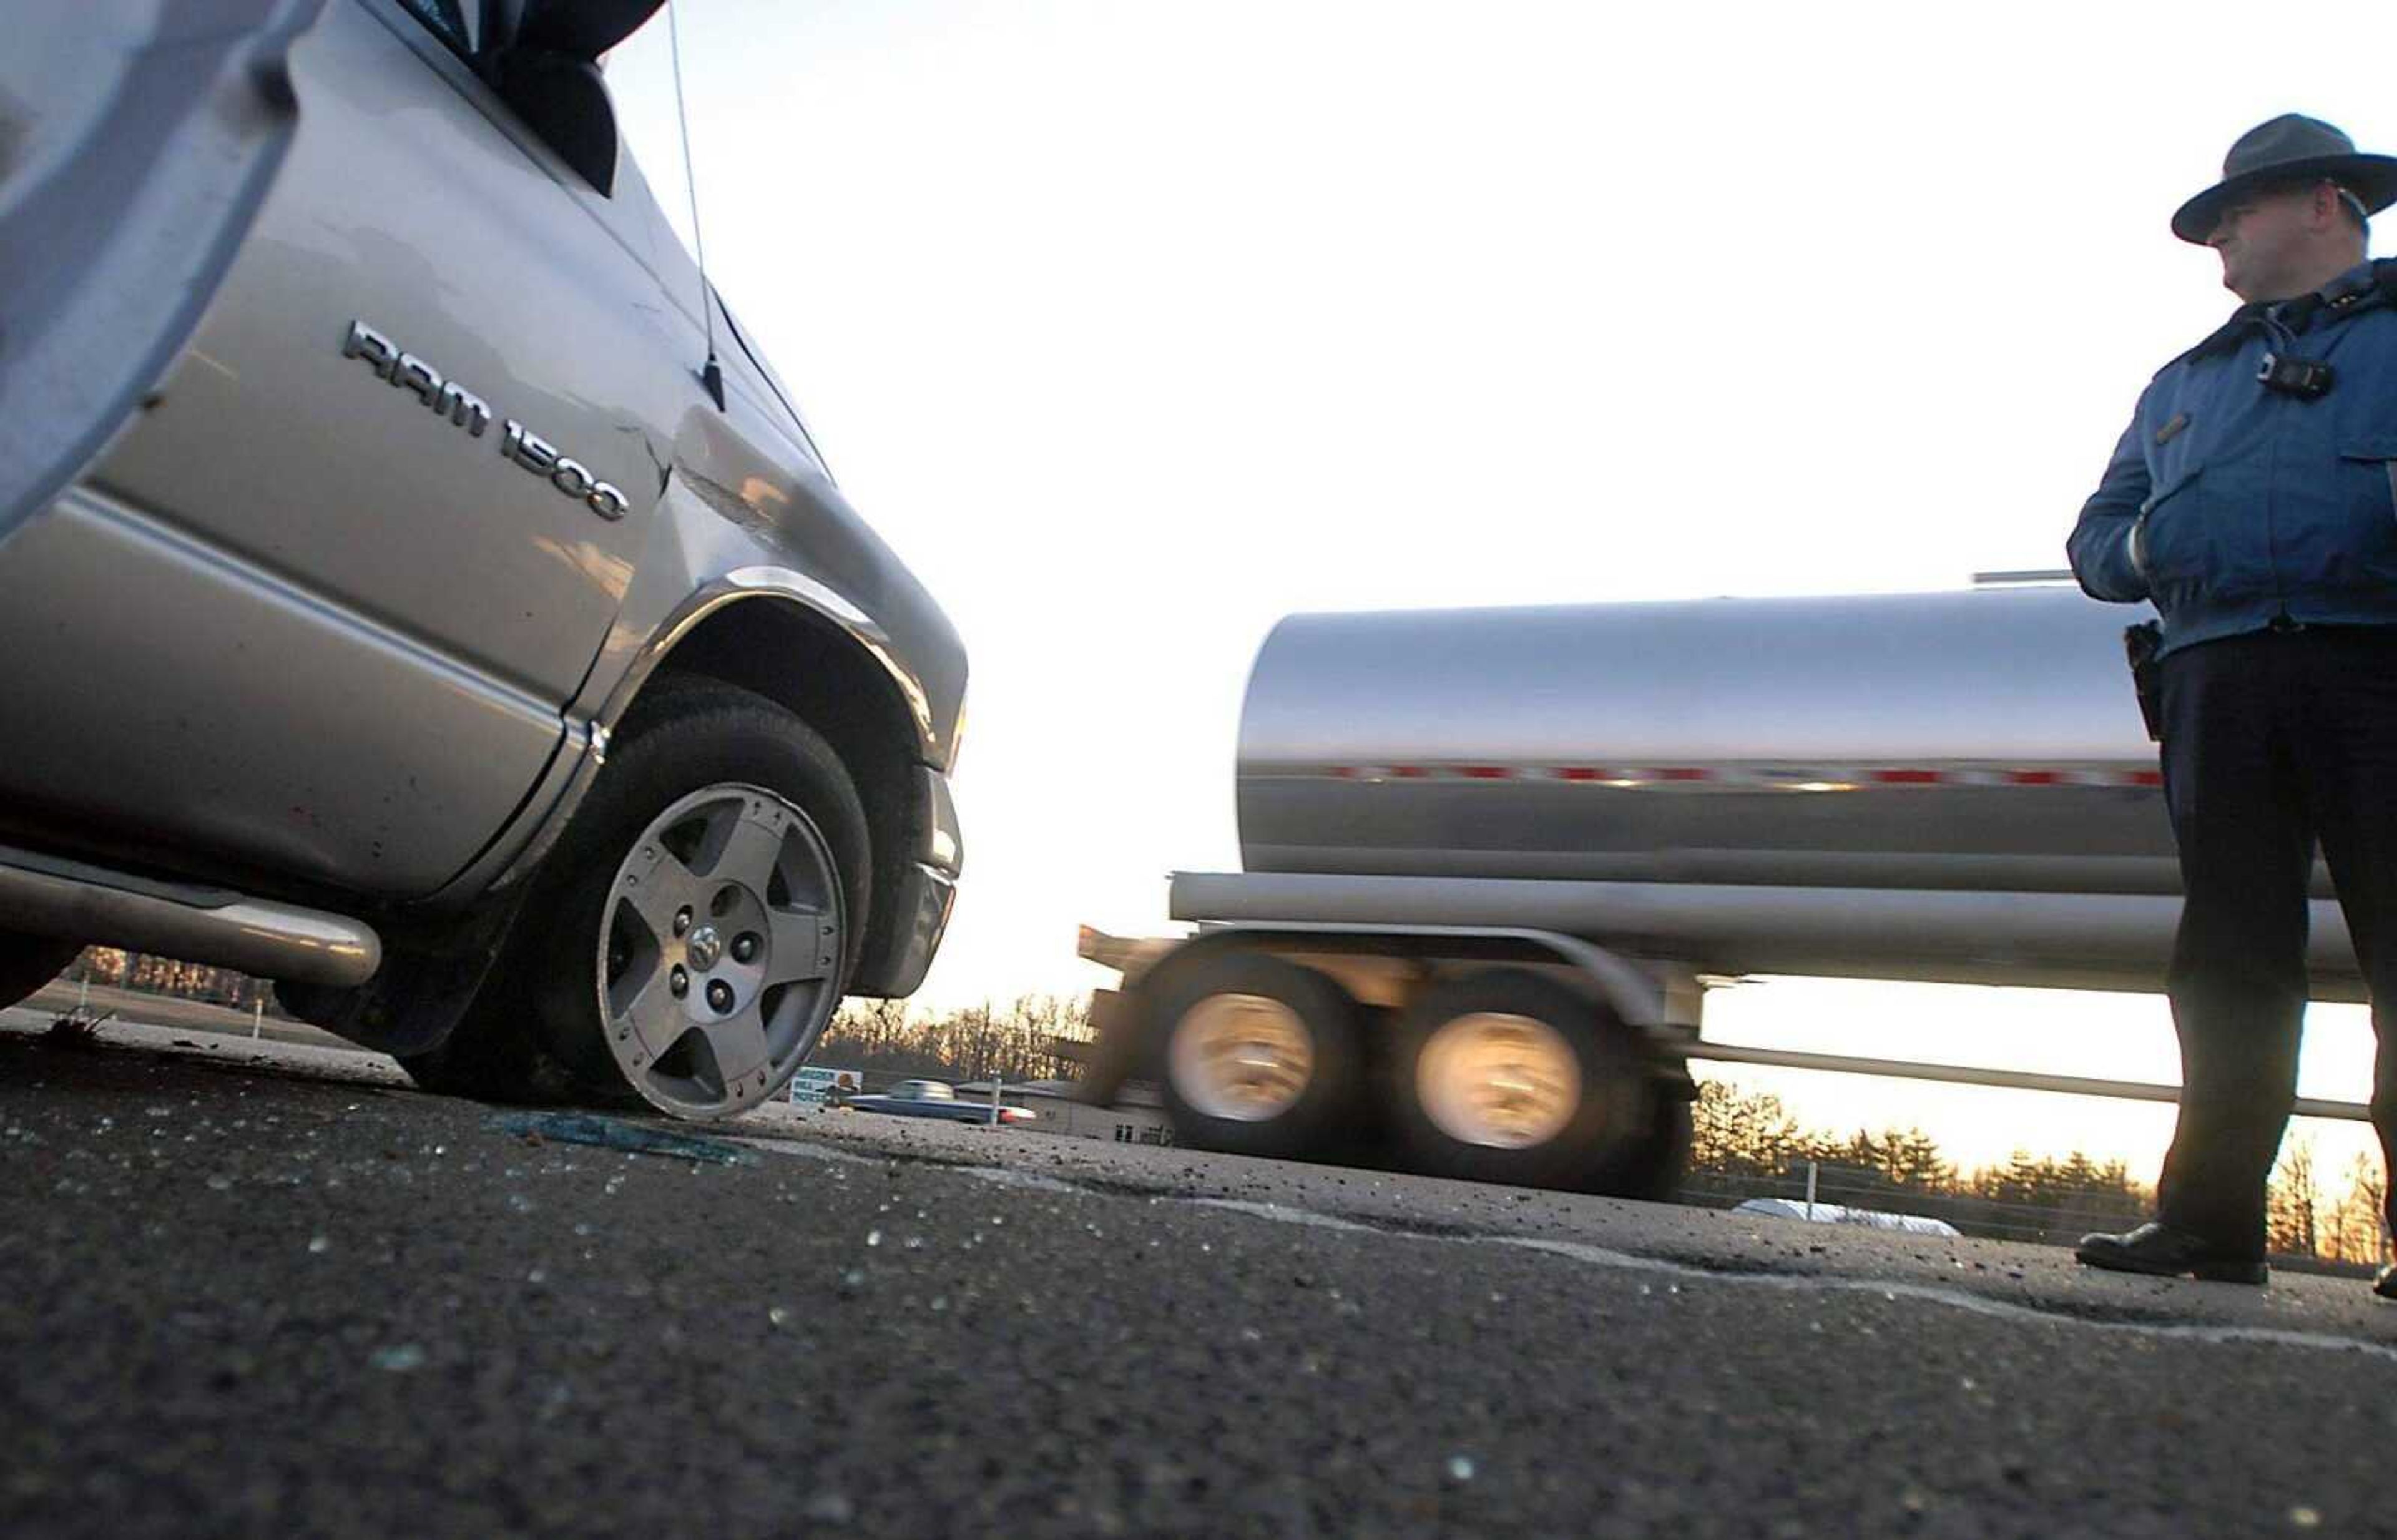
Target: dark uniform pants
point(2272, 741)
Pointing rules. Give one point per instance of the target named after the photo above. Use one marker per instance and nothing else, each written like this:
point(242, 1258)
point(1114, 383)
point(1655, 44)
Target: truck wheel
point(1259, 1056)
point(686, 945)
point(1507, 1076)
point(29, 963)
point(1653, 1170)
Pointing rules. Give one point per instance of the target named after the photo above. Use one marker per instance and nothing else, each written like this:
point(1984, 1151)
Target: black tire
point(1323, 1117)
point(1653, 1170)
point(1612, 1103)
point(486, 1058)
point(29, 963)
point(536, 1031)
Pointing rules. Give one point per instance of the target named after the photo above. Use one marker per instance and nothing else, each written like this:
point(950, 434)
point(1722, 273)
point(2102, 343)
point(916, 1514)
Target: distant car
point(937, 1099)
point(1834, 1214)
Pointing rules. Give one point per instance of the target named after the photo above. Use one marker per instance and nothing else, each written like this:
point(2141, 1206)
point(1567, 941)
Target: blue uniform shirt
point(2253, 507)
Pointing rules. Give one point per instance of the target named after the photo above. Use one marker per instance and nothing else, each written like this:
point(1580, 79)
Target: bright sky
point(1134, 327)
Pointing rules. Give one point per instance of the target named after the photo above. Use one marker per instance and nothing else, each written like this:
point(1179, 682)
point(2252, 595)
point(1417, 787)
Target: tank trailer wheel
point(1653, 1169)
point(1261, 1056)
point(1509, 1076)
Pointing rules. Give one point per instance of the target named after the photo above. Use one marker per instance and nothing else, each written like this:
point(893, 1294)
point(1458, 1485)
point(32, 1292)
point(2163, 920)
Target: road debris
point(582, 1127)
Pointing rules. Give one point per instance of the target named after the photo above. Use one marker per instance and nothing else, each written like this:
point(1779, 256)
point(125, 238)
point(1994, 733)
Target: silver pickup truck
point(413, 588)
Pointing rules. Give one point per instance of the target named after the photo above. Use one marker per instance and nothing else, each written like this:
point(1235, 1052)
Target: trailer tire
point(1653, 1169)
point(1259, 1056)
point(1509, 1075)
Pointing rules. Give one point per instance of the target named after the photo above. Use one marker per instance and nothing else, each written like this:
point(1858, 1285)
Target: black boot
point(2386, 1284)
point(2161, 1251)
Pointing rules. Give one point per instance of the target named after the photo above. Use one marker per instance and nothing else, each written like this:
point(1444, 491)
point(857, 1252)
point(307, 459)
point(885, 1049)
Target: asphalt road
point(258, 1288)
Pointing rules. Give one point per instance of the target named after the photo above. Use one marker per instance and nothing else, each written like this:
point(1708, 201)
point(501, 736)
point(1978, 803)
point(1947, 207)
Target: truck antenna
point(711, 374)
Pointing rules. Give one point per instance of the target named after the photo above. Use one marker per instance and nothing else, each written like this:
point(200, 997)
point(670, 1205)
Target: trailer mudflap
point(1115, 1044)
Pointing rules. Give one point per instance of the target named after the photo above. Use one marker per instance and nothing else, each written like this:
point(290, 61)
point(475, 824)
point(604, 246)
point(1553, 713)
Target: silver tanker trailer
point(1494, 859)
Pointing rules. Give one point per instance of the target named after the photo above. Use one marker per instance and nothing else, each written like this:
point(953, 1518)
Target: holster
point(2140, 644)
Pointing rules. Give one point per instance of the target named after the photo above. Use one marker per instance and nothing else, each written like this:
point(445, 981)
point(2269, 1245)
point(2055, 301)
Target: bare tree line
point(1748, 1143)
point(2306, 1218)
point(1015, 1041)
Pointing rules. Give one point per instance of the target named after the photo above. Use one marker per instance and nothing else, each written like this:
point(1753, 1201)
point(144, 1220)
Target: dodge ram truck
point(414, 588)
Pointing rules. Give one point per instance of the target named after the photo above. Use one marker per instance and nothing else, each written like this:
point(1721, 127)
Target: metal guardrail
point(2012, 1079)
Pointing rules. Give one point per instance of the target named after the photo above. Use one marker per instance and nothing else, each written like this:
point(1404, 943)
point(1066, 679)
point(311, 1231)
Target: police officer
point(2254, 501)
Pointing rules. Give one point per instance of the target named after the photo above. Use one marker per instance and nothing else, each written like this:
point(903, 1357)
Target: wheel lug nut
point(744, 947)
point(679, 982)
point(719, 995)
point(682, 920)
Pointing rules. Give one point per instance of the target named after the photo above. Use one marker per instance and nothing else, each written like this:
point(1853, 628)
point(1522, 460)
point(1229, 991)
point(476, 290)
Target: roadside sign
point(815, 1084)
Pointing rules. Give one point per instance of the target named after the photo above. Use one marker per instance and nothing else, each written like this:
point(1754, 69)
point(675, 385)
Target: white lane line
point(1283, 1214)
point(1002, 1176)
point(1602, 1257)
point(801, 1148)
point(1956, 1299)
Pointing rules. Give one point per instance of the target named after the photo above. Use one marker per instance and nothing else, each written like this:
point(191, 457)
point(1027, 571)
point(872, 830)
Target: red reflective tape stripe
point(1781, 775)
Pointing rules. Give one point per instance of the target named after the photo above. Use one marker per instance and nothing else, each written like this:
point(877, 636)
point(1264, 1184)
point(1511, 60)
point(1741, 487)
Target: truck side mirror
point(565, 101)
point(542, 57)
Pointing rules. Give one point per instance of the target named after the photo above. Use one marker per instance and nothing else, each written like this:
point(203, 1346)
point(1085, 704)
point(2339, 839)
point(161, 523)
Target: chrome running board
point(44, 896)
